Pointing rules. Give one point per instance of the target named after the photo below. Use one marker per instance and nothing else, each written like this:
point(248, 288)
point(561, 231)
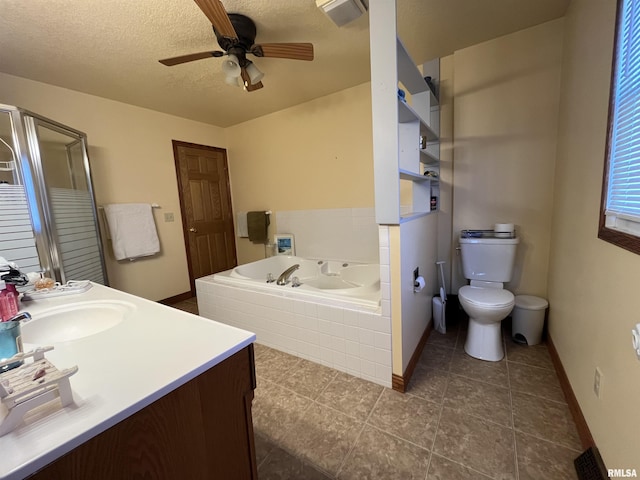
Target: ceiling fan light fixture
point(233, 81)
point(236, 34)
point(254, 73)
point(231, 66)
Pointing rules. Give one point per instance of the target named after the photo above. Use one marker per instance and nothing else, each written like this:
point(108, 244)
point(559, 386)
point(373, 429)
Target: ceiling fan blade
point(257, 86)
point(217, 15)
point(170, 62)
point(294, 51)
point(247, 81)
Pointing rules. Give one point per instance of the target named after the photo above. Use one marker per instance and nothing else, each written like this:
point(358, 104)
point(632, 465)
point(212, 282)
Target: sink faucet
point(284, 276)
point(20, 316)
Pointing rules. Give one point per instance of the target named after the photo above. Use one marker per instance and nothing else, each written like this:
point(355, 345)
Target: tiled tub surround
point(347, 334)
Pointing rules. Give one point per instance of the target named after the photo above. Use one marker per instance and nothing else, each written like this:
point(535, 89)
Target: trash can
point(528, 319)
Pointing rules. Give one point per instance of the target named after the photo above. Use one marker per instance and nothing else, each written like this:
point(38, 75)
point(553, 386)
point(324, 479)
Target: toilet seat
point(487, 297)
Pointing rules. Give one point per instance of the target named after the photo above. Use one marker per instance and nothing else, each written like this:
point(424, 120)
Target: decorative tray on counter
point(31, 385)
point(70, 288)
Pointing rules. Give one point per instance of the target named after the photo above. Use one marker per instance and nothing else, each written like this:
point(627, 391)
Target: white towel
point(241, 224)
point(133, 230)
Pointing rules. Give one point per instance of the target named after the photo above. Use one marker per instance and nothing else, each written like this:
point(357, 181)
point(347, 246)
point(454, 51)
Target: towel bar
point(153, 205)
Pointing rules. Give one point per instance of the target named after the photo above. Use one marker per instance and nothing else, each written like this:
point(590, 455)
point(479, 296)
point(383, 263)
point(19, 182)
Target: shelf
point(415, 177)
point(435, 102)
point(401, 128)
point(428, 158)
point(408, 74)
point(407, 114)
point(413, 215)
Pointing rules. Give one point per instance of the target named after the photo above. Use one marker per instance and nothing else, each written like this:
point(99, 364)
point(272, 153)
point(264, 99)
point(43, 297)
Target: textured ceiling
point(111, 48)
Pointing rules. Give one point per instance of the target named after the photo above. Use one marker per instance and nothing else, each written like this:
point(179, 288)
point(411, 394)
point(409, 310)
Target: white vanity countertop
point(121, 370)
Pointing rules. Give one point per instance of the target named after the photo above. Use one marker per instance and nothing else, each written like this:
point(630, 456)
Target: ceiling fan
point(236, 35)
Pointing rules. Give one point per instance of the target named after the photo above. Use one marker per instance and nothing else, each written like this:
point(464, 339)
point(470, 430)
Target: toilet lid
point(488, 297)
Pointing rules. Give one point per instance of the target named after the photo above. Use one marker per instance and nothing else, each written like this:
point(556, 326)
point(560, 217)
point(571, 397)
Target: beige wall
point(593, 285)
point(132, 161)
point(445, 217)
point(505, 124)
point(316, 155)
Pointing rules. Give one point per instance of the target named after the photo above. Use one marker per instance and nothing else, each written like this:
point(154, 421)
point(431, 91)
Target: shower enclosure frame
point(30, 173)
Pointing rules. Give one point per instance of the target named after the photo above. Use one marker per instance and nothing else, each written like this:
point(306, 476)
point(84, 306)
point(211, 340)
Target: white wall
point(593, 285)
point(506, 95)
point(131, 159)
point(418, 249)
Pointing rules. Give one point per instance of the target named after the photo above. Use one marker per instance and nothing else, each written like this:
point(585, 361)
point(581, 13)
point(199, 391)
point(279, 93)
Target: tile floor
point(190, 305)
point(461, 418)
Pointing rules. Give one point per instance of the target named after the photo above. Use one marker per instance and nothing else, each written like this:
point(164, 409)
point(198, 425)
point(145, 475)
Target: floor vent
point(589, 465)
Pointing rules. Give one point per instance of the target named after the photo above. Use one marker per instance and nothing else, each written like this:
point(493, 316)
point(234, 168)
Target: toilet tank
point(488, 259)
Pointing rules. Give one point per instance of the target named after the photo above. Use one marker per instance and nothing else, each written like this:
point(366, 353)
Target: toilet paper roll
point(418, 284)
point(503, 227)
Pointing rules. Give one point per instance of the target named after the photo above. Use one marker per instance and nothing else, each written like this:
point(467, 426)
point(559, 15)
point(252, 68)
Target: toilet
point(487, 261)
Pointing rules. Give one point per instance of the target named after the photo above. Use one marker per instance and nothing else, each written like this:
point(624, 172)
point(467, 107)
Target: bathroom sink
point(74, 321)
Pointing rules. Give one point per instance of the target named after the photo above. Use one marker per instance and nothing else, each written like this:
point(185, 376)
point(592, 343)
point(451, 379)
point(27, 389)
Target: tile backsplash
point(348, 234)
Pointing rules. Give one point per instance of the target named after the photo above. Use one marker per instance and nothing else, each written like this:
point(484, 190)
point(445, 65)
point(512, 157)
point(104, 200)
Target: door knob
point(193, 229)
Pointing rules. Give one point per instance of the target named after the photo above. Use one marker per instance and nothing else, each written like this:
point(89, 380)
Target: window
point(620, 212)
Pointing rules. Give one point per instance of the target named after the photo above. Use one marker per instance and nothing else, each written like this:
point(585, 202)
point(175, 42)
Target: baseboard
point(400, 382)
point(176, 298)
point(581, 424)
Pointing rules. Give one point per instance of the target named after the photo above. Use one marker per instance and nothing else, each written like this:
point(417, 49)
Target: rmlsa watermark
point(622, 473)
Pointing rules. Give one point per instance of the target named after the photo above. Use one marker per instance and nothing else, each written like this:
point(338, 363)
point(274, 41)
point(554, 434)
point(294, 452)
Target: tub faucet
point(283, 279)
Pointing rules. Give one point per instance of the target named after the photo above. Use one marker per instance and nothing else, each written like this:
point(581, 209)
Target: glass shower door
point(65, 182)
point(17, 240)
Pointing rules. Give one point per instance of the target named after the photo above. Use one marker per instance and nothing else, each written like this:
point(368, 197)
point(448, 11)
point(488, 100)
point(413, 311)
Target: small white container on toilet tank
point(528, 319)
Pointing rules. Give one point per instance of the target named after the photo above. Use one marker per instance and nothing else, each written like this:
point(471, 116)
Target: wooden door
point(205, 200)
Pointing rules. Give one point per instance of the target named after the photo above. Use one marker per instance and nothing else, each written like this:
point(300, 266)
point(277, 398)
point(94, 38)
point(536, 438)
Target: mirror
point(71, 206)
point(7, 151)
point(48, 219)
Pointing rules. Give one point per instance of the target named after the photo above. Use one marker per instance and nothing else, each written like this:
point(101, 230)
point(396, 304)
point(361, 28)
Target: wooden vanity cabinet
point(201, 430)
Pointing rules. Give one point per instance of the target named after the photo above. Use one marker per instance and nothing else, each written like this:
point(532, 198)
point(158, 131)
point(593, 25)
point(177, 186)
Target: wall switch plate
point(168, 217)
point(597, 382)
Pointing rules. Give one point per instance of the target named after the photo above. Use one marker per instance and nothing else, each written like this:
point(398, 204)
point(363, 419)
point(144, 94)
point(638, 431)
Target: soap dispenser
point(14, 296)
point(4, 305)
point(8, 302)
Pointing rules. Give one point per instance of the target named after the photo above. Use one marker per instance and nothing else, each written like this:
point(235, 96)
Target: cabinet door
point(201, 431)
